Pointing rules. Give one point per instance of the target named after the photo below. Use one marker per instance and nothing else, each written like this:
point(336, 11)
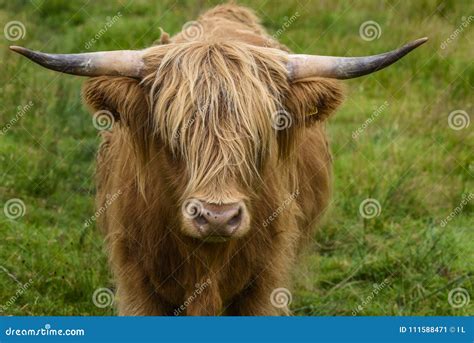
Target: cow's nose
point(218, 221)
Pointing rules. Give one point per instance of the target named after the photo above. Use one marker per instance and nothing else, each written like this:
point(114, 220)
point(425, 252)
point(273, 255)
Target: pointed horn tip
point(18, 49)
point(419, 41)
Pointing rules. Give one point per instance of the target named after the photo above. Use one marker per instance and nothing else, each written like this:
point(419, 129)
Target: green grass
point(408, 158)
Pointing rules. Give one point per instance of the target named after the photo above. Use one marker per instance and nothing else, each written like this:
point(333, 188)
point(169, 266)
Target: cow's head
point(216, 118)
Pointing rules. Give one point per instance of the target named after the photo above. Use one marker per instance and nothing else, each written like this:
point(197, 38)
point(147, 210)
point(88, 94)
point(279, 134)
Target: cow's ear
point(122, 96)
point(314, 99)
point(126, 99)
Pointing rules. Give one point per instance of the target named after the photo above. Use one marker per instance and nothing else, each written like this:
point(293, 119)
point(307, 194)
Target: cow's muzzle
point(215, 222)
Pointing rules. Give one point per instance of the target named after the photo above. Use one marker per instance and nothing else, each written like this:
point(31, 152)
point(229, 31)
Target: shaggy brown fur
point(200, 125)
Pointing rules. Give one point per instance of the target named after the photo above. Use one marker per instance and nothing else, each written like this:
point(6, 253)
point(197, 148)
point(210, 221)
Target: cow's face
point(226, 126)
point(212, 110)
point(223, 121)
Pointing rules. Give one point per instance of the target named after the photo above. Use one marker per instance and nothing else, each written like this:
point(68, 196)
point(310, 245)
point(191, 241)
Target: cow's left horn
point(302, 66)
point(108, 63)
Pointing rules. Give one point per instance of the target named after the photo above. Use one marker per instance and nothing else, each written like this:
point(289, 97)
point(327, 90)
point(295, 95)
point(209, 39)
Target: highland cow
point(220, 156)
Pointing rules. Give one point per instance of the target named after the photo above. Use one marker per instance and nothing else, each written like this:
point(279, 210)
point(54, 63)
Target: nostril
point(200, 220)
point(236, 219)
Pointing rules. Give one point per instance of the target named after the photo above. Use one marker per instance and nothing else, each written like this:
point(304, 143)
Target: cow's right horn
point(103, 63)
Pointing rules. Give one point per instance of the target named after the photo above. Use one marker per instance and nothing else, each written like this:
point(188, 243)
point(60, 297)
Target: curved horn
point(108, 63)
point(302, 66)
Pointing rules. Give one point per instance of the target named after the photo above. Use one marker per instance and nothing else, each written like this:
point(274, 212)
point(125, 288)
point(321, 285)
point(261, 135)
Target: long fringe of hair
point(213, 104)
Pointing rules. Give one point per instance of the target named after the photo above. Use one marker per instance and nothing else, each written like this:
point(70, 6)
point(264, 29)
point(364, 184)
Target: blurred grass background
point(408, 158)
